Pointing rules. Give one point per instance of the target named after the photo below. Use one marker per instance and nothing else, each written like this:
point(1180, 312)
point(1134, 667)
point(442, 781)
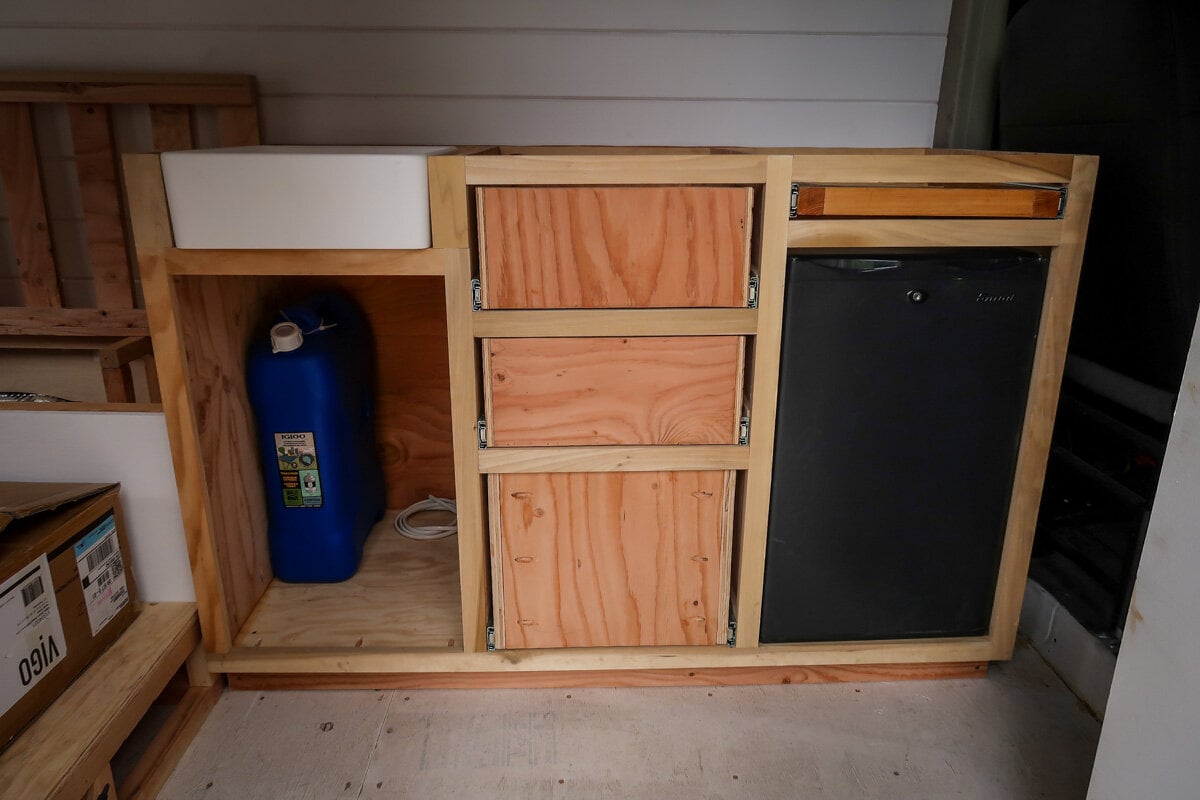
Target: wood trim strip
point(585, 659)
point(893, 232)
point(926, 201)
point(448, 201)
point(100, 193)
point(73, 322)
point(151, 226)
point(464, 413)
point(764, 389)
point(284, 263)
point(1053, 334)
point(84, 407)
point(613, 458)
point(21, 177)
point(682, 676)
point(930, 167)
point(572, 170)
point(117, 87)
point(615, 322)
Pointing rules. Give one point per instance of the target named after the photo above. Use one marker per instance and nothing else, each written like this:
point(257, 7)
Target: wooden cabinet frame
point(226, 535)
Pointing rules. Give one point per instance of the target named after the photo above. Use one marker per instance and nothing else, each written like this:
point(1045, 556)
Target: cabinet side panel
point(611, 559)
point(218, 316)
point(621, 247)
point(598, 391)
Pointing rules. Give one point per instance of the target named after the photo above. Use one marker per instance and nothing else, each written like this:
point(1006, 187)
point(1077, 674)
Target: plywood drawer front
point(614, 247)
point(603, 558)
point(598, 391)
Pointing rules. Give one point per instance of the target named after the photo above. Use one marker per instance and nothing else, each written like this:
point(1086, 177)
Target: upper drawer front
point(653, 390)
point(614, 247)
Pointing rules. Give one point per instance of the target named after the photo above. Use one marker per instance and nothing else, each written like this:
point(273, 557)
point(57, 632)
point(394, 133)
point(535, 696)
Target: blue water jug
point(311, 385)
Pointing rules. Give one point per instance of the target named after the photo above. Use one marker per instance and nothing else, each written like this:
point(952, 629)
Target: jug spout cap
point(286, 337)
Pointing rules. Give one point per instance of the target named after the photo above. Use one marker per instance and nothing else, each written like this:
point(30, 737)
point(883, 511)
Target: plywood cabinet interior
point(610, 525)
point(609, 558)
point(600, 391)
point(614, 247)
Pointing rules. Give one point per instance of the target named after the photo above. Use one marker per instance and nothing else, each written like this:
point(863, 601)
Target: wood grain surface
point(218, 317)
point(22, 184)
point(618, 247)
point(616, 678)
point(103, 219)
point(405, 595)
point(610, 559)
point(596, 391)
point(926, 201)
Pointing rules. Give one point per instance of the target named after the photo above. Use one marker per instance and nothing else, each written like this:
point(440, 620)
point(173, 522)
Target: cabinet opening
point(406, 594)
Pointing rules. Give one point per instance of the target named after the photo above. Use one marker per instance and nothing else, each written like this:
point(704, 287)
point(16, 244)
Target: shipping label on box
point(102, 573)
point(31, 632)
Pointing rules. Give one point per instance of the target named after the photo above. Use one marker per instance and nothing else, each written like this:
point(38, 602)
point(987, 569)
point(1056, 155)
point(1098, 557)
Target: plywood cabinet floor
point(1017, 733)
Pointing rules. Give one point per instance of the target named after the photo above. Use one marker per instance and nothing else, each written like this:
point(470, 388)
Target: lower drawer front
point(611, 559)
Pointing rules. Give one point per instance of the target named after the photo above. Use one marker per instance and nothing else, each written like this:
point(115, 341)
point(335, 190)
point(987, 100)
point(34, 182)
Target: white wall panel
point(858, 16)
point(1148, 747)
point(521, 64)
point(107, 447)
point(369, 120)
point(767, 72)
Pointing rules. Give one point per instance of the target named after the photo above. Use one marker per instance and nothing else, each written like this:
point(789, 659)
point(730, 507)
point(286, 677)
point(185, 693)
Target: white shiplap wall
point(758, 72)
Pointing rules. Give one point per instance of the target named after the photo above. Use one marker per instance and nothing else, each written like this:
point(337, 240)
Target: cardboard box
point(66, 590)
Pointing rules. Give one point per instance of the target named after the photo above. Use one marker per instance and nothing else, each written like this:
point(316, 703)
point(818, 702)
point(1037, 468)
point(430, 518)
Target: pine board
point(405, 595)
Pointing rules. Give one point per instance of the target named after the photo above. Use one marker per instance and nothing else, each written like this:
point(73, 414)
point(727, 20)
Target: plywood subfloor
point(405, 594)
point(1018, 733)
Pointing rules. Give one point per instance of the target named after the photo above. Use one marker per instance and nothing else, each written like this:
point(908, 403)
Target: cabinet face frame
point(770, 172)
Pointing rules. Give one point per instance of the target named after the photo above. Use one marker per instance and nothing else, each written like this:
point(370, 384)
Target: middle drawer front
point(612, 391)
point(611, 558)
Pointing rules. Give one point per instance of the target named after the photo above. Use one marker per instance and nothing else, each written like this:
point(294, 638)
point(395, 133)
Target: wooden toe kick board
point(614, 247)
point(611, 559)
point(613, 391)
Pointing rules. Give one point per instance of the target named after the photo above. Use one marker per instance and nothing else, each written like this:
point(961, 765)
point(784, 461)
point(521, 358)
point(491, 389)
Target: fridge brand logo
point(984, 297)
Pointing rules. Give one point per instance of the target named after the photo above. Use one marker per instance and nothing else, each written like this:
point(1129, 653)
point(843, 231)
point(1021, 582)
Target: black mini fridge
point(902, 393)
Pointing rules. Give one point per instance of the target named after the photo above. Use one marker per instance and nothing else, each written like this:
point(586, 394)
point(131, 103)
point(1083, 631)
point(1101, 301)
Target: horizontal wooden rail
point(568, 170)
point(615, 322)
point(302, 262)
point(385, 660)
point(856, 233)
point(613, 458)
point(883, 168)
point(73, 321)
point(118, 87)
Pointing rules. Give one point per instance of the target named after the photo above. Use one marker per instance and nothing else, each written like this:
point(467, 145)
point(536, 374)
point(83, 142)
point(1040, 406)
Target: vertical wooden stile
point(151, 226)
point(1054, 331)
point(95, 162)
point(22, 181)
point(757, 494)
